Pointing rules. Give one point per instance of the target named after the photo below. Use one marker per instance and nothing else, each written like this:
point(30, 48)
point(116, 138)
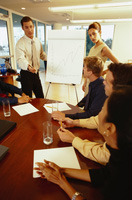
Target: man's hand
point(65, 135)
point(24, 99)
point(57, 115)
point(31, 69)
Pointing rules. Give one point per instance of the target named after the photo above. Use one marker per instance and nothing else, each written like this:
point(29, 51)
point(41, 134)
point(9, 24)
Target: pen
point(61, 124)
point(51, 107)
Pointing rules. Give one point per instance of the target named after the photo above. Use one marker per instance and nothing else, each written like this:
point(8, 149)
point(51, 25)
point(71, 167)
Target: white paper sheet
point(64, 157)
point(25, 109)
point(61, 107)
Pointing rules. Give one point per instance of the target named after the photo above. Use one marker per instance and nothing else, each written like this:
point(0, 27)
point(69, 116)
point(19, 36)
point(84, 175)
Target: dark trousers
point(31, 83)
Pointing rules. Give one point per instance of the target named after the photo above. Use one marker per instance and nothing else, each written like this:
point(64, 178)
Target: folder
point(3, 151)
point(5, 127)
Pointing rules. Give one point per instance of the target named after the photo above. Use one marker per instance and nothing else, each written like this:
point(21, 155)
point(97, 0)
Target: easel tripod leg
point(47, 89)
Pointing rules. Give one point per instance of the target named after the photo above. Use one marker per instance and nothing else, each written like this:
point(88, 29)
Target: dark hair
point(120, 113)
point(122, 73)
point(95, 64)
point(26, 19)
point(96, 26)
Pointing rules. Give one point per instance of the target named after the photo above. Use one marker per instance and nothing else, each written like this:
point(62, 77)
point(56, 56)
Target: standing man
point(29, 51)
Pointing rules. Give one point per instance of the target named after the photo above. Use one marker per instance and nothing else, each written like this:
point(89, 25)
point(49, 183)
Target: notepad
point(25, 109)
point(63, 157)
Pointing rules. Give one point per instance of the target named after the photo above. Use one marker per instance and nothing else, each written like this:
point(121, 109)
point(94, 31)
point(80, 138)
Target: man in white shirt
point(29, 51)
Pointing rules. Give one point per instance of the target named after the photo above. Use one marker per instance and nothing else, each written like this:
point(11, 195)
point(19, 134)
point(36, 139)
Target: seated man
point(94, 100)
point(118, 74)
point(6, 88)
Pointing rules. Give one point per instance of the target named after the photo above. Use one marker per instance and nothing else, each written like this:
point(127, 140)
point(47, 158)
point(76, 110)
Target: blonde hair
point(94, 64)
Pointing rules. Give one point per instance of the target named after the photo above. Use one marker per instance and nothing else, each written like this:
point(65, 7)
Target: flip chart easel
point(72, 84)
point(65, 57)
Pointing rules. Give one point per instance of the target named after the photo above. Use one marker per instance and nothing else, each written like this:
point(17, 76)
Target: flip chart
point(65, 56)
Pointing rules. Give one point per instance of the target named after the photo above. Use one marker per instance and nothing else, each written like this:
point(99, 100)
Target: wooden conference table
point(16, 168)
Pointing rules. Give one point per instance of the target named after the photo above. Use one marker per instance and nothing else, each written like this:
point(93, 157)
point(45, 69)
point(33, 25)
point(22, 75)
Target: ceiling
point(40, 11)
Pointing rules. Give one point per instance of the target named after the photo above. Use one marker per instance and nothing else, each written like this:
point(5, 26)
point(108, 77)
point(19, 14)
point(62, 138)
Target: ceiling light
point(57, 9)
point(115, 4)
point(41, 1)
point(100, 20)
point(23, 8)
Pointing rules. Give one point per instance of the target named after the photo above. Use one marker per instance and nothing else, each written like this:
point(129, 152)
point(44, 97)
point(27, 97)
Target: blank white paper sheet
point(61, 107)
point(63, 157)
point(25, 109)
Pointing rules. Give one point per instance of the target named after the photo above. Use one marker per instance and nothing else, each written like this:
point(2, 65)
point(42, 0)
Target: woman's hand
point(65, 135)
point(51, 172)
point(57, 115)
point(67, 123)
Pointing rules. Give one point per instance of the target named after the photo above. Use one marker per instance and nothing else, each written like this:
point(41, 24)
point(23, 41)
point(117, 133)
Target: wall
point(122, 43)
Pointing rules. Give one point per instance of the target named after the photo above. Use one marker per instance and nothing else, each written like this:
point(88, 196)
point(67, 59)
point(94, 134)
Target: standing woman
point(99, 49)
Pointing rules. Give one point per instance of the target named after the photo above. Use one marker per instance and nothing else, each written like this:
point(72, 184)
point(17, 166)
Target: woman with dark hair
point(115, 125)
point(99, 49)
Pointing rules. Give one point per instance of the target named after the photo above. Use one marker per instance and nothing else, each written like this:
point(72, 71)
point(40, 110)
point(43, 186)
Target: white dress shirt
point(24, 52)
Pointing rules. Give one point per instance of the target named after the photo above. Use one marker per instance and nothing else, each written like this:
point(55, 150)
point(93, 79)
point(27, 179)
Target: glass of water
point(6, 108)
point(47, 133)
point(55, 106)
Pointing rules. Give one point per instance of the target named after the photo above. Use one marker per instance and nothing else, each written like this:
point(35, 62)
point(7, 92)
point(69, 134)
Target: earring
point(106, 134)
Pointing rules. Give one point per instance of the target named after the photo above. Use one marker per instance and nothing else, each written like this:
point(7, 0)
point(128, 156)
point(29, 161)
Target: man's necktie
point(35, 62)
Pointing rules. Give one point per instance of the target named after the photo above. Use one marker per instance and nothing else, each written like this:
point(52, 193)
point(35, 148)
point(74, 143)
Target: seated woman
point(115, 125)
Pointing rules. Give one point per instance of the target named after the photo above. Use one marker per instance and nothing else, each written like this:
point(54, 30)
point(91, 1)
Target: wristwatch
point(75, 195)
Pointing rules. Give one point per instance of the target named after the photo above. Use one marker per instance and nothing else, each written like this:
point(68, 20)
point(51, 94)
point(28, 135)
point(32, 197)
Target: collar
point(96, 82)
point(28, 39)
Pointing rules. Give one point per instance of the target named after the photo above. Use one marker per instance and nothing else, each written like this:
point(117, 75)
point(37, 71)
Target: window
point(4, 43)
point(64, 27)
point(5, 12)
point(107, 34)
point(75, 27)
point(41, 36)
point(18, 32)
point(41, 33)
point(48, 27)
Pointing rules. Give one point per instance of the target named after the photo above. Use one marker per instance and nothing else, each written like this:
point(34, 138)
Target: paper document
point(25, 109)
point(61, 107)
point(63, 157)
